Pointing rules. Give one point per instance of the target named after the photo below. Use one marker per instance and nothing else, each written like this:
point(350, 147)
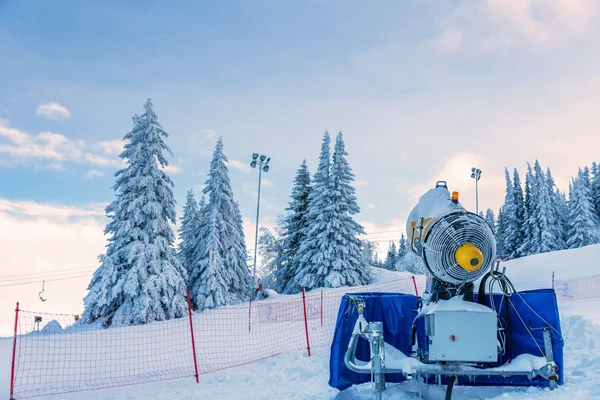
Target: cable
point(47, 280)
point(6, 277)
point(41, 275)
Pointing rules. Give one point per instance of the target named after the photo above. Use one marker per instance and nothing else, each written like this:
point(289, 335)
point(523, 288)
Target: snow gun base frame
point(373, 333)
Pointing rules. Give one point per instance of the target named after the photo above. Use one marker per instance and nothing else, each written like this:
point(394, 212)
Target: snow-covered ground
point(294, 375)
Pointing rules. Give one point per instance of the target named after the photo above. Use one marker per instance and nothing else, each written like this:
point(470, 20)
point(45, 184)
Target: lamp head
point(254, 156)
point(262, 157)
point(253, 164)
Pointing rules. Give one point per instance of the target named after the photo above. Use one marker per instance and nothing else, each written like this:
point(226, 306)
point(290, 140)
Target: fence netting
point(58, 353)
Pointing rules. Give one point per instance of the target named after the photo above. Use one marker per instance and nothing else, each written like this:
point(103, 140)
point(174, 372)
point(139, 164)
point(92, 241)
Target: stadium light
point(263, 165)
point(476, 174)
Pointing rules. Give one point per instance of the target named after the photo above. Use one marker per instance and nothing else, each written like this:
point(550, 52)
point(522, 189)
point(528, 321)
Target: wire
point(47, 280)
point(41, 275)
point(2, 278)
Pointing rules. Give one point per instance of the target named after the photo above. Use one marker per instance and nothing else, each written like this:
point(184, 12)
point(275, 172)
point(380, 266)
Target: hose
point(451, 381)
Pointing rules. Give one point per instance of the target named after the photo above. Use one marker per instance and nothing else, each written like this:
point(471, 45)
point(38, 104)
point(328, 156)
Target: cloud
point(267, 183)
point(20, 146)
point(371, 206)
point(53, 111)
point(103, 161)
point(508, 24)
point(109, 147)
point(361, 183)
point(449, 40)
point(456, 171)
point(240, 166)
point(92, 173)
point(210, 135)
point(173, 169)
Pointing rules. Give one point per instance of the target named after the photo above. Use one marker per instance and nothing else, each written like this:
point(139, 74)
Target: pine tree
point(490, 218)
point(528, 226)
point(189, 222)
point(392, 258)
point(369, 253)
point(293, 227)
point(402, 246)
point(519, 212)
point(140, 276)
point(345, 247)
point(313, 262)
point(220, 275)
point(500, 234)
point(563, 215)
point(544, 216)
point(330, 255)
point(557, 228)
point(595, 189)
point(583, 223)
point(270, 250)
point(509, 221)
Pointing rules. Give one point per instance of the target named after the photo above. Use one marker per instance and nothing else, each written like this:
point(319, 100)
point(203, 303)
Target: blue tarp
point(397, 312)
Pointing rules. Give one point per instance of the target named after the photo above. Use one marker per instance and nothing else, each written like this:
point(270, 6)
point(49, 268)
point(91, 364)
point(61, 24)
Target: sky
point(423, 90)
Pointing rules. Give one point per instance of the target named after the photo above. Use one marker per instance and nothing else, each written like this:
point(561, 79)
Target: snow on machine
point(450, 334)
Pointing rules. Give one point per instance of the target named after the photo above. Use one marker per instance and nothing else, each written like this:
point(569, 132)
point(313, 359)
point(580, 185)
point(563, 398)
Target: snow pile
point(52, 327)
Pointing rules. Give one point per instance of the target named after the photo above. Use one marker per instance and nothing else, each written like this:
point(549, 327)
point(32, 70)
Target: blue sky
point(422, 90)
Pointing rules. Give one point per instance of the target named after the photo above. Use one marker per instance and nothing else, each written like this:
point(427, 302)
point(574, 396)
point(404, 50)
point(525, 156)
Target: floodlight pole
point(263, 164)
point(476, 174)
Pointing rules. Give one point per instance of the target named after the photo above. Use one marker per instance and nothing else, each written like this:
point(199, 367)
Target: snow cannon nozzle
point(469, 257)
point(456, 245)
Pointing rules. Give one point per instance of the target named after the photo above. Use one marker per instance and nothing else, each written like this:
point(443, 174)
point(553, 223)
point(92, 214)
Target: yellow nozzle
point(469, 257)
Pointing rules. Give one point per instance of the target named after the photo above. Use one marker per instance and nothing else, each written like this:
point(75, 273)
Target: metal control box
point(462, 335)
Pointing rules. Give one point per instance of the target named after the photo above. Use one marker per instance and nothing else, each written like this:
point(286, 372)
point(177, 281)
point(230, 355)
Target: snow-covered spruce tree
point(140, 276)
point(189, 222)
point(595, 189)
point(500, 233)
point(490, 218)
point(528, 227)
point(330, 254)
point(582, 221)
point(313, 261)
point(558, 228)
point(347, 266)
point(519, 212)
point(220, 275)
point(511, 232)
point(402, 246)
point(412, 263)
point(563, 214)
point(392, 258)
point(544, 215)
point(270, 250)
point(293, 227)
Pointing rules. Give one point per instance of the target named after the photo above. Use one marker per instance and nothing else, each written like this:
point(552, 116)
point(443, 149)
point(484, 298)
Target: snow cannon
point(450, 335)
point(457, 246)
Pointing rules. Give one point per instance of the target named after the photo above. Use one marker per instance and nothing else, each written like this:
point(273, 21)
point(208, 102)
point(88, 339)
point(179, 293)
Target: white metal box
point(461, 331)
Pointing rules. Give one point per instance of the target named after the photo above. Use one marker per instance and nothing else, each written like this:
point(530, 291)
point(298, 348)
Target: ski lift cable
point(2, 278)
point(46, 275)
point(47, 280)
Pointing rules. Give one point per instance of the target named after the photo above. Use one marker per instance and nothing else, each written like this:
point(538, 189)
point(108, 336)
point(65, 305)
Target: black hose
point(451, 381)
point(481, 291)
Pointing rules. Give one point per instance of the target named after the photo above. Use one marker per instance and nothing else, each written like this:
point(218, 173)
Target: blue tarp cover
point(397, 312)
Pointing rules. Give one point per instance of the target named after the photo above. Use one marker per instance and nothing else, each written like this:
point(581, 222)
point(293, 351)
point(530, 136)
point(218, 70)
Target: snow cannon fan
point(457, 246)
